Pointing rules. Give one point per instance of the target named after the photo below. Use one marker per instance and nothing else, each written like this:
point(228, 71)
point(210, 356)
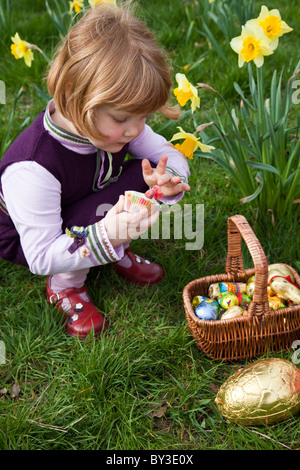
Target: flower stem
point(261, 109)
point(36, 48)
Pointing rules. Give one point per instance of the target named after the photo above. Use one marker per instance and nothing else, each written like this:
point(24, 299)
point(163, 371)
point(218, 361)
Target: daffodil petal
point(183, 135)
point(236, 44)
point(28, 58)
point(263, 12)
point(273, 12)
point(253, 23)
point(270, 48)
point(182, 80)
point(241, 61)
point(285, 28)
point(205, 148)
point(195, 104)
point(16, 39)
point(178, 136)
point(259, 60)
point(195, 98)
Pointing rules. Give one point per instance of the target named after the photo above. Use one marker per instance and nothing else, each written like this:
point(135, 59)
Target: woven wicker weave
point(257, 333)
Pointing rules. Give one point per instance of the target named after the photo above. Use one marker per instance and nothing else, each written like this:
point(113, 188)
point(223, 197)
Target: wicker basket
point(257, 333)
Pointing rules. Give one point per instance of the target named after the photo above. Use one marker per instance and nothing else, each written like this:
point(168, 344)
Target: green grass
point(144, 385)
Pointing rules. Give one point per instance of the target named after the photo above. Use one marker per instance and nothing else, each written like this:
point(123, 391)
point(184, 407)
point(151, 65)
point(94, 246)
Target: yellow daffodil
point(21, 49)
point(186, 91)
point(190, 143)
point(252, 44)
point(77, 6)
point(271, 23)
point(109, 2)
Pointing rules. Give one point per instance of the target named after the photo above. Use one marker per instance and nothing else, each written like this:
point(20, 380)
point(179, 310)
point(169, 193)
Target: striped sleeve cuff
point(174, 173)
point(100, 246)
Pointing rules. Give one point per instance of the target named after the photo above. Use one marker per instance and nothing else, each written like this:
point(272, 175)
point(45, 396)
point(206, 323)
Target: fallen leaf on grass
point(160, 411)
point(15, 390)
point(214, 387)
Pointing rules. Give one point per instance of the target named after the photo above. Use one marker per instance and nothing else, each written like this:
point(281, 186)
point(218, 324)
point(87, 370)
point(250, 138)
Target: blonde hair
point(109, 58)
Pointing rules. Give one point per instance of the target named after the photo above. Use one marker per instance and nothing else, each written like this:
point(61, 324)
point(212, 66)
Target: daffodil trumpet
point(190, 143)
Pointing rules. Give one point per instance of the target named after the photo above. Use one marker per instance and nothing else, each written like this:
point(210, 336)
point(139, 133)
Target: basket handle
point(238, 227)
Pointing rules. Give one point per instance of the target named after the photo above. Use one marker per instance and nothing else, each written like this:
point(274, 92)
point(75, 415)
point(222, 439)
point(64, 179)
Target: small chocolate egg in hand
point(154, 192)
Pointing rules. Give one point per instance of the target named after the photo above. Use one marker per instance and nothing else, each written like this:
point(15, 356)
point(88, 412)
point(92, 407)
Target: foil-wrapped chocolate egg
point(244, 300)
point(208, 309)
point(250, 286)
point(197, 300)
point(285, 289)
point(219, 288)
point(275, 302)
point(264, 392)
point(228, 300)
point(280, 269)
point(233, 312)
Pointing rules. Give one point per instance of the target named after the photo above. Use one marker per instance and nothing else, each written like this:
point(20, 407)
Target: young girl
point(63, 173)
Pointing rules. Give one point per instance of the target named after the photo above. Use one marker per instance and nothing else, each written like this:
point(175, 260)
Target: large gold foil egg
point(264, 392)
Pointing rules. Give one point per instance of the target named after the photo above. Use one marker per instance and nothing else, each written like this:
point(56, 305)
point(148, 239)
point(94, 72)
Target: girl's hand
point(122, 226)
point(170, 185)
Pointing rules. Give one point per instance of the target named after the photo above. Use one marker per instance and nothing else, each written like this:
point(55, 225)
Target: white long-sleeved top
point(38, 218)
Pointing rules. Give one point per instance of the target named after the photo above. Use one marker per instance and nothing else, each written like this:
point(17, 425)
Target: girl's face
point(118, 127)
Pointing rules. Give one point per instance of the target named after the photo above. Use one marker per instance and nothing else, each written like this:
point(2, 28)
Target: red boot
point(141, 271)
point(83, 316)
